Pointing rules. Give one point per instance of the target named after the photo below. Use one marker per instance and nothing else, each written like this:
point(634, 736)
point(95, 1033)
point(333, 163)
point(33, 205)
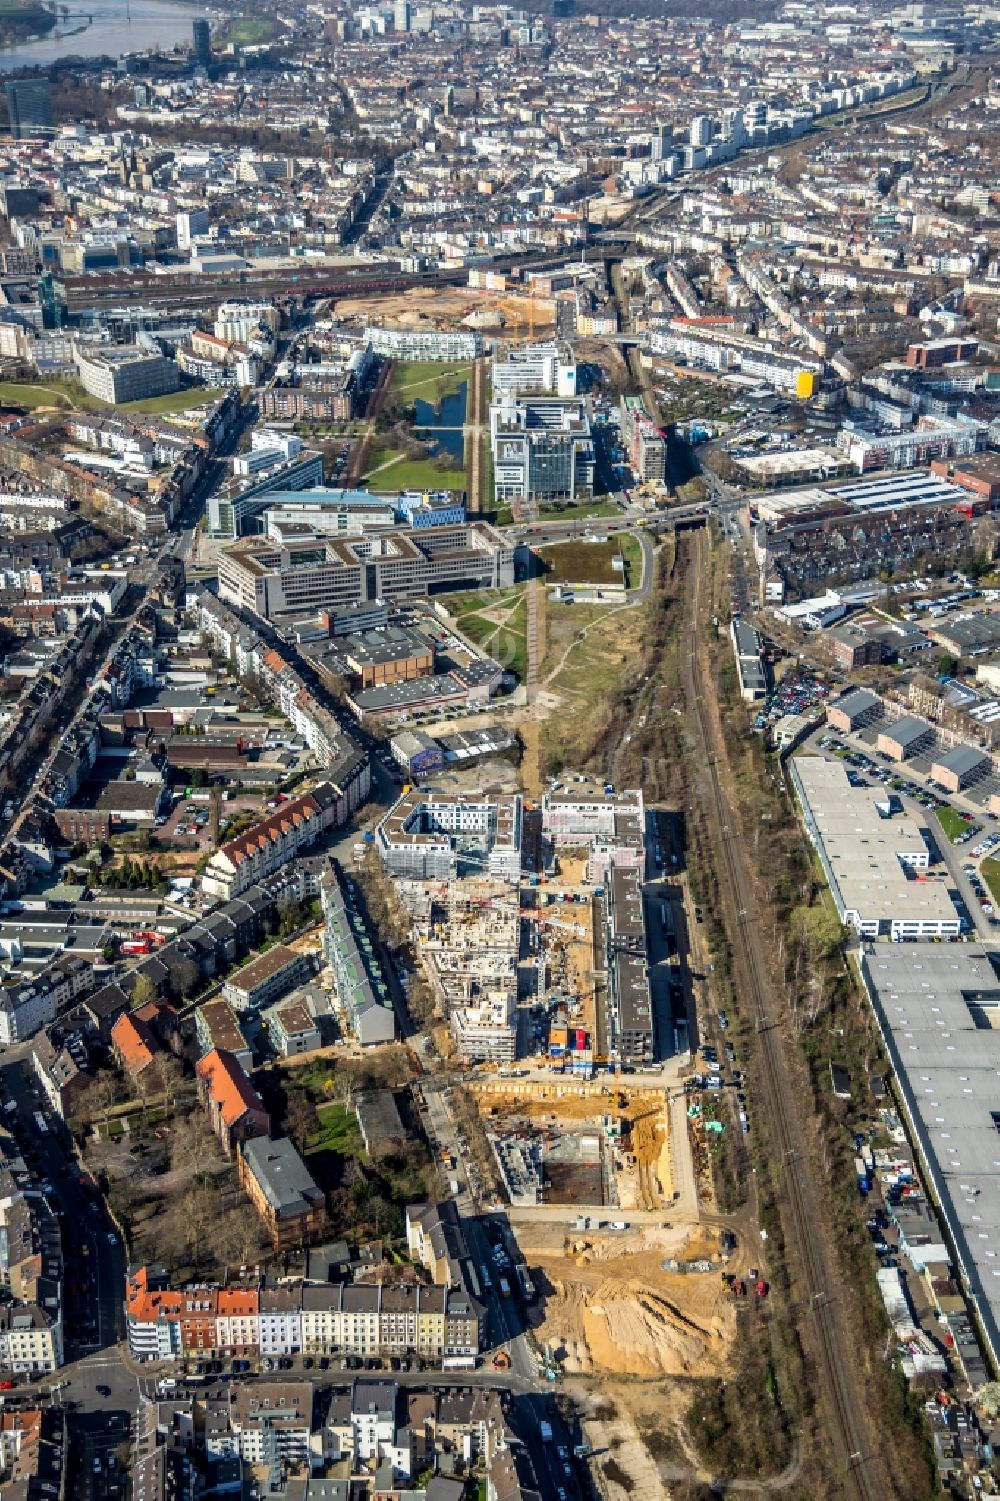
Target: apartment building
point(424, 344)
point(267, 978)
point(629, 1000)
point(270, 844)
point(720, 348)
point(281, 1189)
point(611, 826)
point(31, 1341)
point(118, 375)
point(365, 1319)
point(29, 1005)
point(933, 438)
point(234, 1106)
point(323, 573)
point(431, 835)
point(643, 441)
point(543, 448)
point(362, 988)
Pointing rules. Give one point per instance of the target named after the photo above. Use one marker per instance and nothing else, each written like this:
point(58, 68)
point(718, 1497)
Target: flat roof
point(863, 848)
point(939, 1010)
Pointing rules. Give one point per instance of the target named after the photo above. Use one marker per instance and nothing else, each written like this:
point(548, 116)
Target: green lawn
point(175, 401)
point(428, 379)
point(477, 628)
point(632, 553)
point(990, 872)
point(568, 509)
point(339, 1132)
point(411, 474)
point(472, 601)
point(953, 823)
point(68, 395)
point(576, 562)
point(246, 31)
point(49, 393)
point(509, 646)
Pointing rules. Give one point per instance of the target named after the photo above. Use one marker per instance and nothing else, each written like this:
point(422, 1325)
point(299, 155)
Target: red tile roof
point(228, 1086)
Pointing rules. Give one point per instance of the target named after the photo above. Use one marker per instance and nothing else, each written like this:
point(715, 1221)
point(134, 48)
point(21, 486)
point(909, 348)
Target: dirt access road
point(842, 1403)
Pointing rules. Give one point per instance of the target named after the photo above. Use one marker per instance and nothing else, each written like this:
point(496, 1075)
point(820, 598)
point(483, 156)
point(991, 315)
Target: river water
point(102, 28)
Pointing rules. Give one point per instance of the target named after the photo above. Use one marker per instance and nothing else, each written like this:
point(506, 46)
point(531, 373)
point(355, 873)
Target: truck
point(545, 1431)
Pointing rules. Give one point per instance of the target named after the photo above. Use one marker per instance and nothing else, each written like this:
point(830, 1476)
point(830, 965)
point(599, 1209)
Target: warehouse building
point(961, 767)
point(749, 662)
point(869, 857)
point(905, 738)
point(853, 710)
point(938, 1010)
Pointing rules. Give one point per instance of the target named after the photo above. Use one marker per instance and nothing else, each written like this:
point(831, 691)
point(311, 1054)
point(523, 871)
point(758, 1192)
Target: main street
point(93, 1254)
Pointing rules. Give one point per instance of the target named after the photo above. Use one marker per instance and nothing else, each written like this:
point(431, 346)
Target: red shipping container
point(581, 1038)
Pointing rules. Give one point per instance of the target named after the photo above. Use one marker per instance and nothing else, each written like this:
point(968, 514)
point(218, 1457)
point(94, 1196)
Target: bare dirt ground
point(625, 1315)
point(442, 307)
point(628, 1469)
point(643, 1171)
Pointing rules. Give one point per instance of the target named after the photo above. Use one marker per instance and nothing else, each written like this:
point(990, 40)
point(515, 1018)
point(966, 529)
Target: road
point(93, 1255)
point(840, 1398)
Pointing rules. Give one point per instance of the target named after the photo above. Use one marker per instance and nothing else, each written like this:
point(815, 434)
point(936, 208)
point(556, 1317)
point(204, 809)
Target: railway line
point(863, 1476)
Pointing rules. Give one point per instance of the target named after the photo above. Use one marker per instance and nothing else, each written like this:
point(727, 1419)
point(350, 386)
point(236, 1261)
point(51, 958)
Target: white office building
point(543, 448)
point(871, 857)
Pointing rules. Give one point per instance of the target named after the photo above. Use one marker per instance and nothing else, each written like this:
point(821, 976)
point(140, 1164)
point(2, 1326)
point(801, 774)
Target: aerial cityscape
point(499, 750)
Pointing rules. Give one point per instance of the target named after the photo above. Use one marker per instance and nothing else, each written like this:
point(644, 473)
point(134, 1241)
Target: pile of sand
point(627, 1328)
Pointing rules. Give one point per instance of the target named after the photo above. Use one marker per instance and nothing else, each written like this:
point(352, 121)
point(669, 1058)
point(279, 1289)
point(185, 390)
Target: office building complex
point(541, 368)
point(201, 33)
point(29, 107)
point(542, 449)
point(319, 573)
point(263, 478)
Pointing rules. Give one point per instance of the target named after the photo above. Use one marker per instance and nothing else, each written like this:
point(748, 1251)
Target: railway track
point(863, 1476)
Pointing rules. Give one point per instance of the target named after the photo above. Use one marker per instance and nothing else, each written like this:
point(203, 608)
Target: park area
point(495, 620)
point(390, 470)
point(68, 395)
point(428, 380)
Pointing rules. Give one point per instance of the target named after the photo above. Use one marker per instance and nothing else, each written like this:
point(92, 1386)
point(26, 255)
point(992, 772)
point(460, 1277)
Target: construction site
point(596, 1146)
